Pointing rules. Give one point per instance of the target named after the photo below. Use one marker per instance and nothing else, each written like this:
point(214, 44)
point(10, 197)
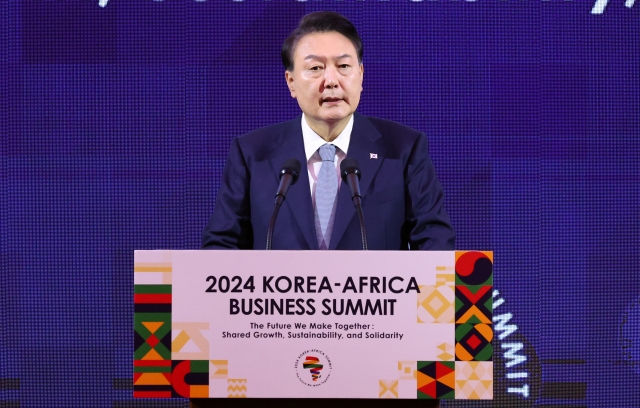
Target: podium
point(313, 324)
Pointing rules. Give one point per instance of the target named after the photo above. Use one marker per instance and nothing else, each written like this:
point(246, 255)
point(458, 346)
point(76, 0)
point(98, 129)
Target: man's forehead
point(324, 45)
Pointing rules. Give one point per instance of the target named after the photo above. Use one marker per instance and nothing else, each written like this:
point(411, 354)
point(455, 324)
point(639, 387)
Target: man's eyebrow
point(316, 57)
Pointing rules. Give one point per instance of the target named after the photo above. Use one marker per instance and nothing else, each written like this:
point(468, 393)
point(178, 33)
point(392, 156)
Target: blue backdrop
point(116, 122)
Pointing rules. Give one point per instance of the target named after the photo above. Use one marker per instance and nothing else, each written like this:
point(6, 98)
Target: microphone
point(351, 174)
point(288, 177)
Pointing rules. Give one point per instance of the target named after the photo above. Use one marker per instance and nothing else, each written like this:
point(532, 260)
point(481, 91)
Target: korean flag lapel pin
point(373, 155)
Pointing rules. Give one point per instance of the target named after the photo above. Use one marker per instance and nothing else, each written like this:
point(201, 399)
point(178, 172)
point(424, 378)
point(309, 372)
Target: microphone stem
point(272, 221)
point(363, 231)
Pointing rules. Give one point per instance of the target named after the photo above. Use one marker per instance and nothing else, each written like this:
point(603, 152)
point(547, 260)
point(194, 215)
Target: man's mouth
point(331, 100)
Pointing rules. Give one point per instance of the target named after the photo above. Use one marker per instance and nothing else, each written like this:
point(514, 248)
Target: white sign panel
point(315, 324)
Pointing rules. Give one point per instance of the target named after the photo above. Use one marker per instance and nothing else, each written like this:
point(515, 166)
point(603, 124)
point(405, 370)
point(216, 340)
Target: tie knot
point(327, 152)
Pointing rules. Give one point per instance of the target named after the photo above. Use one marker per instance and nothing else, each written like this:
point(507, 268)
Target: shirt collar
point(313, 141)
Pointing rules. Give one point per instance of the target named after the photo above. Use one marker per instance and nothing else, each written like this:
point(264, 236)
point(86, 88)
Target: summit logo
point(313, 367)
point(313, 364)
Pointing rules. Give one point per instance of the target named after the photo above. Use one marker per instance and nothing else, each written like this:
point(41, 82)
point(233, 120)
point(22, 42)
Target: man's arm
point(230, 224)
point(427, 225)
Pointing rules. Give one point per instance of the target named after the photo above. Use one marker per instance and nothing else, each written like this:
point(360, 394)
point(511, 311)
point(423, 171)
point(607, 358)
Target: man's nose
point(330, 77)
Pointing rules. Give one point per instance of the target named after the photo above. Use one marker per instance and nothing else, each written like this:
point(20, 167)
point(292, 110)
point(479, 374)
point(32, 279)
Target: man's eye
point(316, 68)
point(344, 65)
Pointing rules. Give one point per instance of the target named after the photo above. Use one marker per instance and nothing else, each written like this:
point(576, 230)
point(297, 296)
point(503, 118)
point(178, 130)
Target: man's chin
point(335, 117)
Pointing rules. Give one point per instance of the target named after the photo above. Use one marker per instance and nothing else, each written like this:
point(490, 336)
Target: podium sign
point(313, 324)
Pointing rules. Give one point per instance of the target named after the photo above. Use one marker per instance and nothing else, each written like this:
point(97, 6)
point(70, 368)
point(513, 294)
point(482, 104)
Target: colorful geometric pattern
point(152, 379)
point(474, 307)
point(474, 268)
point(188, 341)
point(473, 342)
point(448, 278)
point(190, 379)
point(407, 370)
point(219, 369)
point(436, 303)
point(171, 359)
point(474, 379)
point(152, 341)
point(313, 364)
point(237, 388)
point(447, 351)
point(388, 389)
point(474, 304)
point(152, 273)
point(436, 380)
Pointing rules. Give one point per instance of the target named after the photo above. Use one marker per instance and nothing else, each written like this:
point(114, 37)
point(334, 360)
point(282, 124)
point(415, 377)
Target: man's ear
point(288, 76)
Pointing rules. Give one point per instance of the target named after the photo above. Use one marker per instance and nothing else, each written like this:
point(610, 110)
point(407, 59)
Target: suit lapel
point(365, 139)
point(290, 144)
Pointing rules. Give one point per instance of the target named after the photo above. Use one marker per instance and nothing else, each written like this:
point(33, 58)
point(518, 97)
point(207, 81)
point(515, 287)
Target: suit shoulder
point(391, 125)
point(395, 131)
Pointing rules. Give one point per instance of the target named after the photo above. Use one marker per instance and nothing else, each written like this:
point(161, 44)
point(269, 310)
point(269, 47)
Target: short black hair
point(320, 22)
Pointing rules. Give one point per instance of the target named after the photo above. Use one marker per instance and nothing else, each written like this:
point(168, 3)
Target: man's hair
point(320, 22)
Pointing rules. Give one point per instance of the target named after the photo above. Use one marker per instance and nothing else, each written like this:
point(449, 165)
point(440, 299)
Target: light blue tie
point(326, 192)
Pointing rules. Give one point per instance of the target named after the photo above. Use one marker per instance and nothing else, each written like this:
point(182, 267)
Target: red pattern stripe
point(152, 363)
point(146, 298)
point(152, 394)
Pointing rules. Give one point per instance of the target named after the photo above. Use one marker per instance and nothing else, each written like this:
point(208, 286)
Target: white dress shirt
point(313, 141)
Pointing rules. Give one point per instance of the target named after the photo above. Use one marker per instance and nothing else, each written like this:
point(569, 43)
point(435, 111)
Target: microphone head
point(292, 167)
point(349, 166)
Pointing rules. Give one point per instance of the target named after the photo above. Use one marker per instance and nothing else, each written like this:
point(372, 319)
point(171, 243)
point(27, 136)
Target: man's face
point(327, 78)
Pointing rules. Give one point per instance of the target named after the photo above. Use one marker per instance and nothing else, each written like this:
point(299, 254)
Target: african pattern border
point(463, 371)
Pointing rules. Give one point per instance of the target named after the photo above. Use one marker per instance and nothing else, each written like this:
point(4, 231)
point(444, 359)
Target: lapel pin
point(373, 155)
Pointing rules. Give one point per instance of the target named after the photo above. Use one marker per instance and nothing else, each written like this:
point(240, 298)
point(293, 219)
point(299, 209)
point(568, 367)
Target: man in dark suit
point(402, 199)
point(401, 196)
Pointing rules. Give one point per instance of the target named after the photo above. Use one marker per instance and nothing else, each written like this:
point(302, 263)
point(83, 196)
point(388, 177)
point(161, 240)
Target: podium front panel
point(313, 324)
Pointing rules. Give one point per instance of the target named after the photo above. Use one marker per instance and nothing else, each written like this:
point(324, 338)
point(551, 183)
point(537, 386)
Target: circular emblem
point(313, 367)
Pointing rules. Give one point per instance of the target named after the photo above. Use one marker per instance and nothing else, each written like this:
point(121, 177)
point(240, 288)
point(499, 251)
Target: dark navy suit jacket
point(402, 199)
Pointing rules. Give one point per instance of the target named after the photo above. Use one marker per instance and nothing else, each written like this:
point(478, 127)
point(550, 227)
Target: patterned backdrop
point(117, 117)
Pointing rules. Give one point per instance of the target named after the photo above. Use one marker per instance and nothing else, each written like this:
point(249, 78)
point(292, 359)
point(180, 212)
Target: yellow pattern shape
point(199, 391)
point(436, 304)
point(152, 355)
point(474, 379)
point(237, 387)
point(445, 278)
point(388, 389)
point(193, 332)
point(220, 369)
point(152, 267)
point(407, 370)
point(178, 343)
point(424, 379)
point(462, 353)
point(473, 311)
point(152, 326)
point(152, 379)
point(447, 352)
point(485, 330)
point(469, 389)
point(449, 380)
